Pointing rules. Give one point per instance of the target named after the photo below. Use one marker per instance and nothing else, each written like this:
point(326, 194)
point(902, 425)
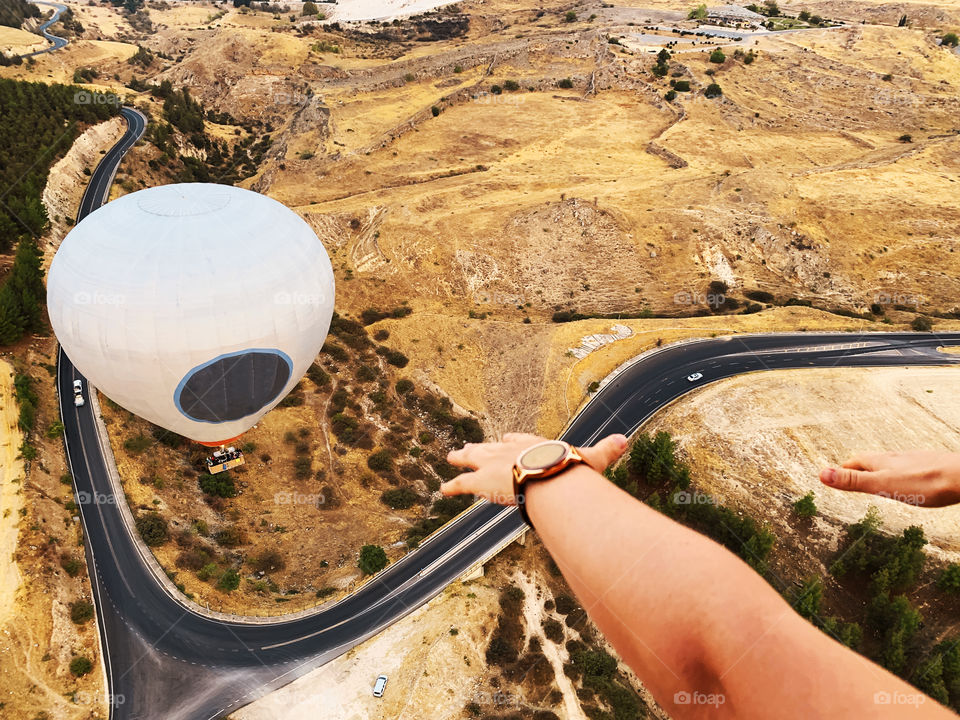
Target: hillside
point(517, 197)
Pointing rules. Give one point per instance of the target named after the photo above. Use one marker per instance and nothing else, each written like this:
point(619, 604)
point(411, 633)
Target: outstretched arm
point(921, 477)
point(706, 634)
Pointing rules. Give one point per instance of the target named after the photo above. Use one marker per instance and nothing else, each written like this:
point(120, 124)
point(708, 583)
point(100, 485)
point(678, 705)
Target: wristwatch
point(538, 462)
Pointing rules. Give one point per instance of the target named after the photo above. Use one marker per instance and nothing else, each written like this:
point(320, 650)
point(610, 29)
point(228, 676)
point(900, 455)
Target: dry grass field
point(491, 173)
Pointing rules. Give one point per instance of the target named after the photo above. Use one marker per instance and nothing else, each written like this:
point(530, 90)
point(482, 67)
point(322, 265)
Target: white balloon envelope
point(196, 306)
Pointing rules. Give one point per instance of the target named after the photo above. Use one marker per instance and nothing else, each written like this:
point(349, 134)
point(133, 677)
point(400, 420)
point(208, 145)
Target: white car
point(78, 393)
point(379, 686)
point(696, 376)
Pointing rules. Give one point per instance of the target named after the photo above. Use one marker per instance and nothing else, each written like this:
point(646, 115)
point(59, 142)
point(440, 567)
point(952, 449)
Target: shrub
point(80, 666)
point(345, 427)
point(671, 95)
point(303, 468)
point(717, 56)
point(570, 16)
point(949, 580)
point(193, 559)
point(55, 430)
point(496, 89)
point(553, 630)
point(210, 570)
point(310, 8)
point(326, 591)
point(80, 612)
point(229, 581)
point(565, 84)
point(380, 461)
point(219, 485)
point(373, 558)
point(759, 295)
point(511, 85)
point(399, 498)
point(921, 324)
point(950, 40)
point(682, 86)
point(906, 138)
point(318, 375)
point(805, 507)
point(565, 604)
point(713, 90)
point(434, 110)
point(152, 528)
point(403, 386)
point(334, 351)
point(268, 561)
point(230, 536)
point(697, 13)
point(397, 358)
point(70, 564)
point(138, 444)
point(365, 373)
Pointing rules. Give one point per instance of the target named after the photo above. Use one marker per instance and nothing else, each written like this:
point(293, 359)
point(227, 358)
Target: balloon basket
point(223, 460)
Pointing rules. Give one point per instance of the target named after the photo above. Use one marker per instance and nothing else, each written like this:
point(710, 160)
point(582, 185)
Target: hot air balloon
point(195, 306)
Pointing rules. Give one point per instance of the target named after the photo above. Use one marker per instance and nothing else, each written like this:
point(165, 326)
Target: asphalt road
point(165, 662)
point(58, 42)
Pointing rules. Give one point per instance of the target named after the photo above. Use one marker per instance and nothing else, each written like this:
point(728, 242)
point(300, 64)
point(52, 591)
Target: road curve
point(57, 41)
point(164, 661)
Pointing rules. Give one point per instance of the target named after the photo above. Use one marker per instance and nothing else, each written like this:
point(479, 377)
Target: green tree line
point(38, 123)
point(14, 12)
point(879, 567)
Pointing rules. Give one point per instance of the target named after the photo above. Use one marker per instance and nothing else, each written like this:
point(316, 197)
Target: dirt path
point(11, 496)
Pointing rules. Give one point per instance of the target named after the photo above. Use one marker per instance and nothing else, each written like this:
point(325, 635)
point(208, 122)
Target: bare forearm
point(694, 621)
point(704, 632)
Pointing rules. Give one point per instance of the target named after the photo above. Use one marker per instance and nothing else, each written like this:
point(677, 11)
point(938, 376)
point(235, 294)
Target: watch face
point(543, 456)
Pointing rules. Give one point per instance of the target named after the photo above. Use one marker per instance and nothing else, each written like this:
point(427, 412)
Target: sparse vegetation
point(805, 507)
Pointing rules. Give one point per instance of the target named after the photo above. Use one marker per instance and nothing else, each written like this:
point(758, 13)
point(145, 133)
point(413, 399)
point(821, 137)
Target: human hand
point(492, 464)
point(920, 477)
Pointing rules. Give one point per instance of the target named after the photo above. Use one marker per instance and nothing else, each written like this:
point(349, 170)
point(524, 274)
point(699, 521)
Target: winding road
point(58, 42)
point(165, 661)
